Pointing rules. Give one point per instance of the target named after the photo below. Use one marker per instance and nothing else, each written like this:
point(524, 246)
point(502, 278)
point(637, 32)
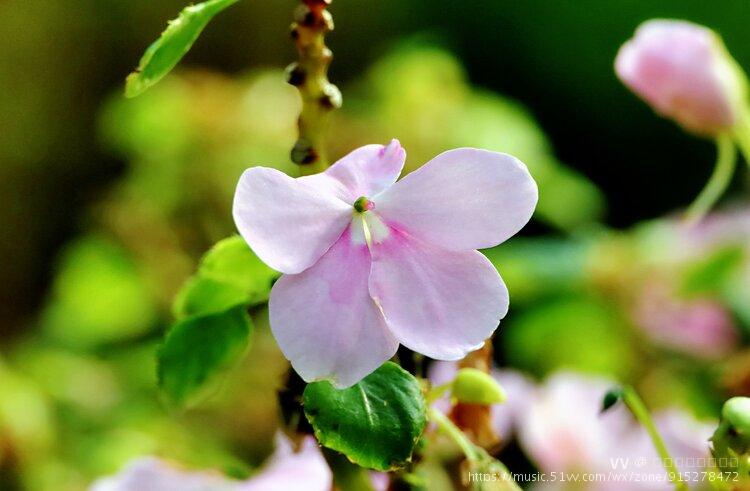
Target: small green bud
point(731, 440)
point(611, 398)
point(476, 387)
point(736, 412)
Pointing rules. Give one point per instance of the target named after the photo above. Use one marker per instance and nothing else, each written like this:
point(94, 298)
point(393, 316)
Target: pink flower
point(701, 327)
point(684, 72)
point(286, 470)
point(371, 262)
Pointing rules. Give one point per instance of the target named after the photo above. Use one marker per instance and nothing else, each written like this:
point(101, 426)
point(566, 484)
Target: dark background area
point(60, 59)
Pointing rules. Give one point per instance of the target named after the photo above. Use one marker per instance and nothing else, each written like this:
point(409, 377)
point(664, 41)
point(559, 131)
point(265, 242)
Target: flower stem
point(720, 179)
point(742, 135)
point(451, 430)
point(639, 410)
point(310, 75)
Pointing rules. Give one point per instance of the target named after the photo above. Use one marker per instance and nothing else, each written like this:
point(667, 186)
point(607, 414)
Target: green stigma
point(363, 204)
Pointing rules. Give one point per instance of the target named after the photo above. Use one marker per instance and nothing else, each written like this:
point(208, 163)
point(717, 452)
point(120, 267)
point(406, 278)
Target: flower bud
point(685, 73)
point(736, 412)
point(731, 440)
point(473, 386)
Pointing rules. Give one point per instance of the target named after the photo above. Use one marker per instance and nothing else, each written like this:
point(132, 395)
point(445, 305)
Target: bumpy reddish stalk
point(310, 75)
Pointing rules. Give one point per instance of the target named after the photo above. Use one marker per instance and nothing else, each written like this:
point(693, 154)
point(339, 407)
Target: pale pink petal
point(440, 303)
point(288, 223)
point(325, 321)
point(462, 199)
point(286, 470)
point(365, 172)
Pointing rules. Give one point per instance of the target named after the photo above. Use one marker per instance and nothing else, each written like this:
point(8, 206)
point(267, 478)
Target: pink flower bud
point(685, 73)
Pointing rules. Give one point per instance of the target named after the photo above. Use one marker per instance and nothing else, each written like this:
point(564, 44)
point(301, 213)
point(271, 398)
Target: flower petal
point(437, 302)
point(462, 199)
point(325, 321)
point(366, 171)
point(287, 222)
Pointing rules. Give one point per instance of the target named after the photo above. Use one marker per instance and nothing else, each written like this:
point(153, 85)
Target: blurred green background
point(107, 204)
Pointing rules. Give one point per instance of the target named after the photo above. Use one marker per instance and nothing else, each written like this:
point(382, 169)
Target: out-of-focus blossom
point(286, 470)
point(700, 327)
point(380, 481)
point(685, 73)
point(562, 429)
point(152, 474)
point(370, 262)
point(563, 432)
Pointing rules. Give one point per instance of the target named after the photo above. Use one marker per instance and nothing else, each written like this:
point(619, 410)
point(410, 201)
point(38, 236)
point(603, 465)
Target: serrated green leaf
point(230, 274)
point(375, 423)
point(201, 296)
point(174, 42)
point(198, 350)
point(232, 261)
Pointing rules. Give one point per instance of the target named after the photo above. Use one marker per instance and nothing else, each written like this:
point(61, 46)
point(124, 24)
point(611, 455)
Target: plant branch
point(310, 75)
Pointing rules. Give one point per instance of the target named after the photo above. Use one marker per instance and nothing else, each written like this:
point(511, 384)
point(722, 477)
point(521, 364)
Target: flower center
point(363, 204)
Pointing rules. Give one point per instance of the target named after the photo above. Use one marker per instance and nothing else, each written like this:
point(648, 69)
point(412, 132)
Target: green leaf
point(197, 350)
point(200, 296)
point(174, 42)
point(232, 261)
point(230, 274)
point(375, 423)
point(473, 386)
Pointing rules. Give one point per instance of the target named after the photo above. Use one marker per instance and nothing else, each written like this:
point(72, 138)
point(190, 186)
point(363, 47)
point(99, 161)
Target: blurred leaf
point(572, 333)
point(98, 296)
point(712, 272)
point(534, 267)
point(230, 274)
point(375, 423)
point(172, 45)
point(197, 350)
point(26, 417)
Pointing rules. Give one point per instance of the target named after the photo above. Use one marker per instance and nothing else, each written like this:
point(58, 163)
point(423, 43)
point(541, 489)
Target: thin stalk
point(723, 171)
point(742, 137)
point(446, 426)
point(638, 408)
point(310, 75)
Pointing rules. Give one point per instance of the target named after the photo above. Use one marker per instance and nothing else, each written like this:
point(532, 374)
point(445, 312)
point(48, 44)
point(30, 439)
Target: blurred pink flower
point(152, 474)
point(684, 72)
point(371, 262)
point(286, 470)
point(562, 431)
point(700, 327)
